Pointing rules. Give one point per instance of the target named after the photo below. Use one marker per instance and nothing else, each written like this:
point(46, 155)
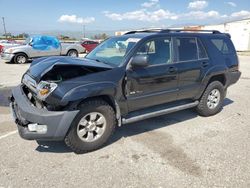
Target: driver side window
point(158, 51)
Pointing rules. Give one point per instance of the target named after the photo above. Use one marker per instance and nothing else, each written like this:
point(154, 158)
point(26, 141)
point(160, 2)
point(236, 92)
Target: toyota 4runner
point(139, 75)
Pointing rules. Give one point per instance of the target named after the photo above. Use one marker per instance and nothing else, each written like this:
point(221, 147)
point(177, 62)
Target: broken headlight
point(44, 89)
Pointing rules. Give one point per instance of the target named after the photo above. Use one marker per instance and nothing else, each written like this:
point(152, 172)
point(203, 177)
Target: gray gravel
point(176, 150)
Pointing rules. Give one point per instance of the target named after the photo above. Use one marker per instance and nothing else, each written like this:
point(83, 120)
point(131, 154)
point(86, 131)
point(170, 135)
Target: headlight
point(8, 50)
point(44, 89)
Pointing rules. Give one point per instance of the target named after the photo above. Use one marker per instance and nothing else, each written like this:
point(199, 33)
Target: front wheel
point(20, 58)
point(72, 53)
point(92, 127)
point(212, 99)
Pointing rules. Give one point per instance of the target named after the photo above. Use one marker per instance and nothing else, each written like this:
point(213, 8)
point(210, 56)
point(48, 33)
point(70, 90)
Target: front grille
point(31, 96)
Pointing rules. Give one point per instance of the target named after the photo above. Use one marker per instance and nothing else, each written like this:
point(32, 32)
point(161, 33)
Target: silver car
point(40, 46)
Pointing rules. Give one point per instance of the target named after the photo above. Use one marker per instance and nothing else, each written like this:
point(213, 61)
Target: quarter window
point(221, 45)
point(187, 49)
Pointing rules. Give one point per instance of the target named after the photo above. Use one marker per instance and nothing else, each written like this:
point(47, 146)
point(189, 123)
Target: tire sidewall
point(203, 108)
point(70, 51)
point(17, 55)
point(105, 110)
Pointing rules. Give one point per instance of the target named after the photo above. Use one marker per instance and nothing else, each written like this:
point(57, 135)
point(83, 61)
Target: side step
point(159, 112)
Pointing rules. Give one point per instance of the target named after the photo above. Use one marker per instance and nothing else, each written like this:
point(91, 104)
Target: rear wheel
point(92, 127)
point(212, 99)
point(20, 58)
point(72, 53)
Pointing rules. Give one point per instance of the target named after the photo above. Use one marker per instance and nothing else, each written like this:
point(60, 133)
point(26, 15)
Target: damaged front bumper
point(38, 124)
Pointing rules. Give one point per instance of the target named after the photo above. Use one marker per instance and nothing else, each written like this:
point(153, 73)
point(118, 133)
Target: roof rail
point(190, 30)
point(172, 31)
point(143, 31)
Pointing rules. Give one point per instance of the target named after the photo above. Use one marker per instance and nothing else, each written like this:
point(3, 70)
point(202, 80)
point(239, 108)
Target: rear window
point(221, 45)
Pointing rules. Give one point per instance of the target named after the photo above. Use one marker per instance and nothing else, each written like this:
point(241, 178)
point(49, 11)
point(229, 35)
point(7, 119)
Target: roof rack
point(190, 30)
point(143, 31)
point(173, 31)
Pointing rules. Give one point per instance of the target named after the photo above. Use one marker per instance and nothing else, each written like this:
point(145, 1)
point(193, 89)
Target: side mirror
point(139, 61)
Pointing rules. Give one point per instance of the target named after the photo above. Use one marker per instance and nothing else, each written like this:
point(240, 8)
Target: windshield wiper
point(101, 61)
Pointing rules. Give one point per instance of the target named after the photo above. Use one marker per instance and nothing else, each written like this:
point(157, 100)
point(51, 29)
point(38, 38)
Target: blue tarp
point(44, 42)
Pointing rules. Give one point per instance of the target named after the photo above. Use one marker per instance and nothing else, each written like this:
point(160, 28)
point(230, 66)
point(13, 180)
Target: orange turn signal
point(44, 92)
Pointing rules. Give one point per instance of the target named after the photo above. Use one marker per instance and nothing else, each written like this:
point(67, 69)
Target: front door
point(156, 83)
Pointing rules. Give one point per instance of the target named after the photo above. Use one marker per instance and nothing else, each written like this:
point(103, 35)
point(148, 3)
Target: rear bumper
point(7, 57)
point(233, 77)
point(24, 113)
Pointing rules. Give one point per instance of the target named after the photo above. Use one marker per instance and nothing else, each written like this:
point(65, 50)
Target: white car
point(40, 46)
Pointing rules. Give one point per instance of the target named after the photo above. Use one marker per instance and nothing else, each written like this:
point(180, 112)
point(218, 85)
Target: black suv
point(125, 79)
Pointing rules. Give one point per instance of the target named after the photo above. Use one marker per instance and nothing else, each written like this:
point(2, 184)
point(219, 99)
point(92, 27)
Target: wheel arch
point(24, 53)
point(17, 53)
point(72, 49)
point(221, 77)
point(108, 99)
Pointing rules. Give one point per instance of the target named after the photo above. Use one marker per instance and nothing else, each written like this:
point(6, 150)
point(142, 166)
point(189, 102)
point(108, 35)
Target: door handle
point(205, 64)
point(172, 69)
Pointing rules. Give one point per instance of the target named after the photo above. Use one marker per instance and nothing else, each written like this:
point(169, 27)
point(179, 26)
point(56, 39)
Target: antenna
point(84, 31)
point(5, 33)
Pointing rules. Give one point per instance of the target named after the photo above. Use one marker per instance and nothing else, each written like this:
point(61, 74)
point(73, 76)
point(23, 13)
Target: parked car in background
point(89, 45)
point(40, 46)
point(1, 48)
point(4, 44)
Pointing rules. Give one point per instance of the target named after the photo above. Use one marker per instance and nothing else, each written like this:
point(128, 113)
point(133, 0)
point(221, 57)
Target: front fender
point(16, 51)
point(90, 90)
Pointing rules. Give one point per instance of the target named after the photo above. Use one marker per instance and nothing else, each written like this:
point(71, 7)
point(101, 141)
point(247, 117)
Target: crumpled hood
point(41, 66)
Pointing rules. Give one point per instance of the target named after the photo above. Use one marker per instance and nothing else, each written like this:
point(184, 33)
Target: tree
point(8, 35)
point(22, 35)
point(64, 37)
point(100, 36)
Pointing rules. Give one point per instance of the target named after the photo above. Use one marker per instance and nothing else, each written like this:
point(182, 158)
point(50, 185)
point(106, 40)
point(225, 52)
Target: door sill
point(157, 111)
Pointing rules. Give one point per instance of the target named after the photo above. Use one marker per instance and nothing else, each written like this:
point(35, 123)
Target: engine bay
point(61, 73)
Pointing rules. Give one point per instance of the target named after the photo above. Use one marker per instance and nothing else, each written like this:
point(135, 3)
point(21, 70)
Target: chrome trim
point(29, 82)
point(159, 113)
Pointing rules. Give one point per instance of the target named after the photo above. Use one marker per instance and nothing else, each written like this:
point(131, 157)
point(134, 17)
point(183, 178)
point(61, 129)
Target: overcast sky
point(45, 15)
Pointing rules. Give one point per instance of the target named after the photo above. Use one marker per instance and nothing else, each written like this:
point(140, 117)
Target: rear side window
point(221, 45)
point(187, 49)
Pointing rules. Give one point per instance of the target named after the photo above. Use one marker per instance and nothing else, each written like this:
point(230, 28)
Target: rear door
point(192, 63)
point(156, 83)
point(87, 45)
point(93, 44)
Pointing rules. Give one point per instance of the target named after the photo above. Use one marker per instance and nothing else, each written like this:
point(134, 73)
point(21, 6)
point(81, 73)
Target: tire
point(20, 58)
point(73, 53)
point(212, 99)
point(83, 135)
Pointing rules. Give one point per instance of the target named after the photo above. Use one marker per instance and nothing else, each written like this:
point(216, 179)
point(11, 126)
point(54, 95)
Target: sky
point(71, 15)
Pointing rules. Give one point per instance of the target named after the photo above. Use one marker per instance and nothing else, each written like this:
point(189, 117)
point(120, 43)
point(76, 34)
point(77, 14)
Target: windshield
point(113, 50)
point(27, 40)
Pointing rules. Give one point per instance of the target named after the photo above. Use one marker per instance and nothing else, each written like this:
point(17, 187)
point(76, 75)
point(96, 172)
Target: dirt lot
point(175, 150)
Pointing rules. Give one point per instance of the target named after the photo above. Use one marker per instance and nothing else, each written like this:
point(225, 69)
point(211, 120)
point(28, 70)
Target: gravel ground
point(176, 150)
